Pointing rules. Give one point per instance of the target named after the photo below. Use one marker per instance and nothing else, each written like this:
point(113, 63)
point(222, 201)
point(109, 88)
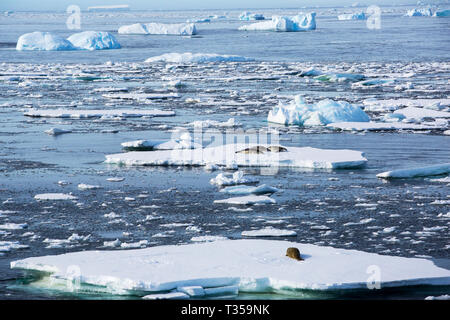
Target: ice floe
point(322, 113)
point(420, 113)
point(231, 154)
point(269, 232)
point(189, 57)
point(224, 179)
point(209, 265)
point(244, 190)
point(94, 40)
point(353, 16)
point(56, 131)
point(247, 200)
point(83, 186)
point(148, 145)
point(381, 126)
point(54, 196)
point(82, 114)
point(43, 41)
point(248, 16)
point(416, 172)
point(301, 22)
point(419, 12)
point(442, 13)
point(182, 29)
point(7, 246)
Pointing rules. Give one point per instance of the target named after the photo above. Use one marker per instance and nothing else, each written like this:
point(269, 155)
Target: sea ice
point(81, 114)
point(353, 16)
point(94, 40)
point(381, 126)
point(56, 131)
point(189, 57)
point(269, 232)
point(248, 16)
point(182, 29)
point(419, 12)
point(54, 196)
point(420, 113)
point(322, 113)
point(83, 186)
point(442, 13)
point(416, 172)
point(225, 155)
point(301, 22)
point(244, 190)
point(220, 264)
point(237, 177)
point(43, 41)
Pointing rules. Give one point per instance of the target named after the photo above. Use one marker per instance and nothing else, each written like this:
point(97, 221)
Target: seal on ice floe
point(262, 149)
point(277, 149)
point(293, 253)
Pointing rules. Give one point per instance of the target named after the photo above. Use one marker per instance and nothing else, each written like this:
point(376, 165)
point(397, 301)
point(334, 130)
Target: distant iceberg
point(353, 16)
point(322, 113)
point(422, 12)
point(183, 29)
point(443, 13)
point(247, 16)
point(94, 40)
point(301, 22)
point(46, 41)
point(43, 41)
point(189, 57)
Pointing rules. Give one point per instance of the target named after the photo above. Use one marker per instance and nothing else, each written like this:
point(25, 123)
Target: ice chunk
point(81, 114)
point(419, 12)
point(247, 200)
point(83, 186)
point(269, 232)
point(230, 123)
point(13, 226)
point(164, 296)
point(322, 113)
point(294, 157)
point(94, 40)
point(443, 13)
point(247, 16)
point(183, 142)
point(45, 41)
point(237, 177)
point(416, 172)
point(301, 22)
point(244, 190)
point(420, 113)
point(54, 196)
point(353, 16)
point(183, 29)
point(189, 57)
point(7, 246)
point(56, 131)
point(192, 291)
point(220, 264)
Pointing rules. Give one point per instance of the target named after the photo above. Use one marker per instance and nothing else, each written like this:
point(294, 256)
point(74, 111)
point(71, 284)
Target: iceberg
point(443, 13)
point(182, 29)
point(353, 16)
point(422, 12)
point(247, 16)
point(416, 172)
point(228, 155)
point(301, 22)
point(94, 40)
point(43, 41)
point(219, 264)
point(189, 57)
point(322, 113)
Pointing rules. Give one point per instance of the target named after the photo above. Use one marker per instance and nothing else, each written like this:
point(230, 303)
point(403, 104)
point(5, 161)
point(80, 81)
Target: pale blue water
point(32, 162)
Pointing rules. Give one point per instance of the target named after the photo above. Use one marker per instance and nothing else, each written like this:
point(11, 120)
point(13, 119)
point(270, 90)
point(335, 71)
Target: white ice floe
point(247, 200)
point(381, 126)
point(182, 29)
point(321, 113)
point(94, 40)
point(43, 41)
point(208, 238)
point(189, 57)
point(7, 246)
point(394, 104)
point(353, 16)
point(185, 141)
point(226, 155)
point(54, 196)
point(244, 190)
point(248, 16)
point(301, 22)
point(83, 186)
point(420, 113)
point(13, 226)
point(419, 12)
point(220, 263)
point(443, 297)
point(416, 172)
point(269, 232)
point(81, 114)
point(224, 179)
point(140, 96)
point(230, 123)
point(56, 131)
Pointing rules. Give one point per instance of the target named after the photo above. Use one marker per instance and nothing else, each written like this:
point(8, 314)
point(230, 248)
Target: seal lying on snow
point(294, 253)
point(262, 149)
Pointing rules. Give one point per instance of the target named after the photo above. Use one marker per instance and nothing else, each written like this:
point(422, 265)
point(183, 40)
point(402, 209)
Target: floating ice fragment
point(182, 29)
point(301, 22)
point(416, 172)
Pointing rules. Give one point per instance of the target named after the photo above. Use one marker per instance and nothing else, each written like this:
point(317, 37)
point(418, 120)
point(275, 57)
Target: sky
point(25, 5)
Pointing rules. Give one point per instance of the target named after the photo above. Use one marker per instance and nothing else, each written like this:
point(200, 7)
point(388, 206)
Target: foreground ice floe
point(87, 40)
point(321, 113)
point(80, 114)
point(231, 155)
point(251, 265)
point(189, 57)
point(183, 29)
point(416, 172)
point(301, 22)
